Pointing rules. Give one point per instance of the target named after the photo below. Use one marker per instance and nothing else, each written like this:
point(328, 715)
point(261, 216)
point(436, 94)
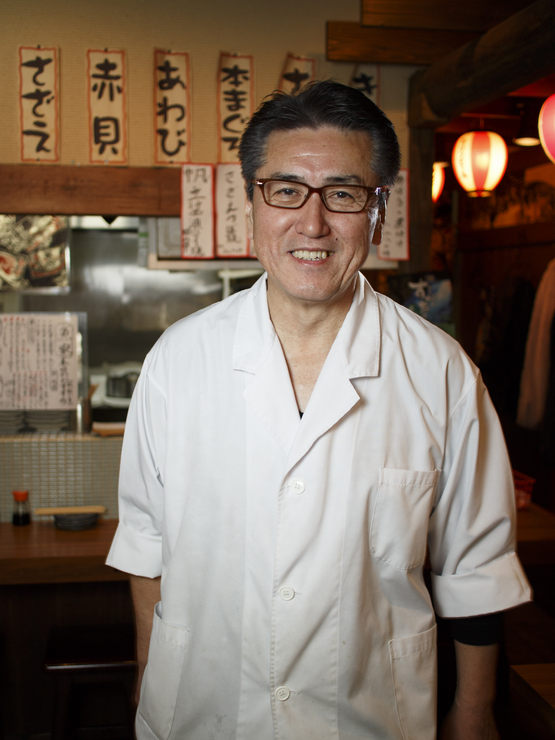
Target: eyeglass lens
point(341, 198)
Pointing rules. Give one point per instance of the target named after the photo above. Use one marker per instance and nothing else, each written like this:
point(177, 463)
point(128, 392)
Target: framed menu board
point(42, 360)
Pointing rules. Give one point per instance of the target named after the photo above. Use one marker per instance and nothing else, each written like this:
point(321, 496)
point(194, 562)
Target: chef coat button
point(282, 693)
point(287, 593)
point(298, 486)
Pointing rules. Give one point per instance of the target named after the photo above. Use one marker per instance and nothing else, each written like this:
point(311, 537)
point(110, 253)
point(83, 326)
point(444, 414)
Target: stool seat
point(90, 656)
point(85, 649)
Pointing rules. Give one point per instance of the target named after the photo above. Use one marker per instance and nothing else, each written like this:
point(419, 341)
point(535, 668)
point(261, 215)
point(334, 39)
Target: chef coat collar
point(358, 341)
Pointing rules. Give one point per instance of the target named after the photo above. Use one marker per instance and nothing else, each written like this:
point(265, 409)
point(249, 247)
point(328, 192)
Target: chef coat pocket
point(399, 527)
point(414, 673)
point(162, 677)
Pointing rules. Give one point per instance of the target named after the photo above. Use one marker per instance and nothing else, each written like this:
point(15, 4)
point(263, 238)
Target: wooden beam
point(82, 191)
point(421, 158)
point(521, 235)
point(511, 55)
point(350, 42)
point(461, 15)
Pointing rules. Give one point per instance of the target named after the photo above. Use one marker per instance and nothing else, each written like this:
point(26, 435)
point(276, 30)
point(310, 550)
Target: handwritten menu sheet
point(39, 361)
point(395, 242)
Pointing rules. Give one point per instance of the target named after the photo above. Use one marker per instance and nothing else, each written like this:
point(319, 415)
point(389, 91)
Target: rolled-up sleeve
point(472, 528)
point(137, 545)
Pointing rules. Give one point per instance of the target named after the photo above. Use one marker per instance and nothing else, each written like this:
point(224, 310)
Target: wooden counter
point(536, 536)
point(40, 553)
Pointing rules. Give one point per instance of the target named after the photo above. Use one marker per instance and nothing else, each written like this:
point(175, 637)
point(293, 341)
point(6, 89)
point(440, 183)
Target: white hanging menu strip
point(366, 78)
point(395, 242)
point(107, 97)
point(38, 361)
point(38, 104)
point(235, 102)
point(172, 106)
point(230, 212)
point(197, 211)
point(297, 72)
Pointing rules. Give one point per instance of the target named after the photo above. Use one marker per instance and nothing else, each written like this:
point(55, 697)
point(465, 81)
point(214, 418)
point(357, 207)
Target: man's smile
point(305, 254)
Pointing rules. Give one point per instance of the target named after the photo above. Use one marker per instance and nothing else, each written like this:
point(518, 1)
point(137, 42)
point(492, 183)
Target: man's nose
point(312, 220)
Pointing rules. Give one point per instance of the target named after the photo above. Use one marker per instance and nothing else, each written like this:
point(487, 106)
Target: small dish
point(75, 522)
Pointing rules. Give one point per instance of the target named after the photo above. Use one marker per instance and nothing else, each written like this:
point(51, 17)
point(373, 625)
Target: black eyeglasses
point(336, 198)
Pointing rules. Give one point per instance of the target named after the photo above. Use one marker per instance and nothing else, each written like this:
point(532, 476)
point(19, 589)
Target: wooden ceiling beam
point(511, 55)
point(350, 42)
point(89, 191)
point(467, 15)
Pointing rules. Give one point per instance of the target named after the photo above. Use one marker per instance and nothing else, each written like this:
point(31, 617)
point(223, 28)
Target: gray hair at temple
point(318, 104)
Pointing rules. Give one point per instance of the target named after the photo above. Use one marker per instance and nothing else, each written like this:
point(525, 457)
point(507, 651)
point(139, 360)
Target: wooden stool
point(90, 654)
point(533, 698)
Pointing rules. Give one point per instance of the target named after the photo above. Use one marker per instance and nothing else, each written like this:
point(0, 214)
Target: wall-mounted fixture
point(479, 161)
point(527, 134)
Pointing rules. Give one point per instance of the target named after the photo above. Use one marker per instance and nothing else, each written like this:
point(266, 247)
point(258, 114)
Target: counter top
point(536, 536)
point(40, 553)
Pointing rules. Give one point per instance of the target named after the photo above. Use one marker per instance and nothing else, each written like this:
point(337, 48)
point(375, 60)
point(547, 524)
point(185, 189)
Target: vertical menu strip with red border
point(231, 224)
point(395, 242)
point(235, 102)
point(107, 103)
point(172, 107)
point(297, 72)
point(39, 123)
point(197, 211)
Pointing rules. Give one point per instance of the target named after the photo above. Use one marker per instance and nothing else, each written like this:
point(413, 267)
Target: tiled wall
point(60, 470)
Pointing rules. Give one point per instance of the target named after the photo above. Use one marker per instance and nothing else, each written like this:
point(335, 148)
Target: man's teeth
point(304, 254)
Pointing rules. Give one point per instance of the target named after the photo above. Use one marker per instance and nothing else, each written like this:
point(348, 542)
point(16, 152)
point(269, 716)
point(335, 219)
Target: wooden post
point(421, 158)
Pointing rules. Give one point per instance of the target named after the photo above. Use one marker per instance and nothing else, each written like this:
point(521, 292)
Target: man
point(291, 452)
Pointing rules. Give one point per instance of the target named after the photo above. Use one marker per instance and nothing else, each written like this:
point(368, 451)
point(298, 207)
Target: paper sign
point(235, 102)
point(297, 72)
point(366, 78)
point(230, 212)
point(107, 96)
point(172, 107)
point(39, 361)
point(197, 211)
point(395, 242)
point(38, 104)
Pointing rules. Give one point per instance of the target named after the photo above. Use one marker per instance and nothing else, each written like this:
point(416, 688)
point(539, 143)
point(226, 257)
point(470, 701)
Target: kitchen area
point(68, 461)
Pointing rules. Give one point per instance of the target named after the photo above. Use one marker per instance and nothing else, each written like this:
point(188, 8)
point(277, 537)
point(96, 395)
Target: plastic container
point(21, 514)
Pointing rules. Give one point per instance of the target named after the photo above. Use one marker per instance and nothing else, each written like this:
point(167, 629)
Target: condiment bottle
point(21, 513)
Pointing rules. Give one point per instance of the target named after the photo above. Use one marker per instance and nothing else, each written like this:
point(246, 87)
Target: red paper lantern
point(479, 160)
point(438, 180)
point(546, 127)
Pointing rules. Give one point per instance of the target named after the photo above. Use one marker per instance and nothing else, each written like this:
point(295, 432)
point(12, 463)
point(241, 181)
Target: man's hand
point(146, 594)
point(471, 716)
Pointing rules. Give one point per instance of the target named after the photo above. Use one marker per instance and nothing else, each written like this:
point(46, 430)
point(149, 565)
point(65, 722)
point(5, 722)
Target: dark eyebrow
point(331, 180)
point(285, 176)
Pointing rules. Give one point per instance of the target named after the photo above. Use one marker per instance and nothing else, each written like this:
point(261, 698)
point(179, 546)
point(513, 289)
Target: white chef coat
point(291, 550)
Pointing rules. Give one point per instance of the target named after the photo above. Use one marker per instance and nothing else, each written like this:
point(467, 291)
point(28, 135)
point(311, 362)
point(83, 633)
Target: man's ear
point(380, 222)
point(249, 217)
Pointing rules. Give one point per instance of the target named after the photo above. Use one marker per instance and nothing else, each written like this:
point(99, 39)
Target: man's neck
point(306, 332)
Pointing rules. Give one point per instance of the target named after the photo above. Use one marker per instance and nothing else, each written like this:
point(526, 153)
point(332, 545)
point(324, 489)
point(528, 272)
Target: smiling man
point(290, 456)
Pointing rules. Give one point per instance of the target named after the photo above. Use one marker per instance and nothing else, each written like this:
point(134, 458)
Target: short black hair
point(321, 103)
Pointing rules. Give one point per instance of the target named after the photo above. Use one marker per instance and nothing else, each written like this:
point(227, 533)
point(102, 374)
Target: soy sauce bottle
point(21, 514)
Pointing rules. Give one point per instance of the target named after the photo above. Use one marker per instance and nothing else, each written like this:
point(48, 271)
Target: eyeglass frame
point(380, 190)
